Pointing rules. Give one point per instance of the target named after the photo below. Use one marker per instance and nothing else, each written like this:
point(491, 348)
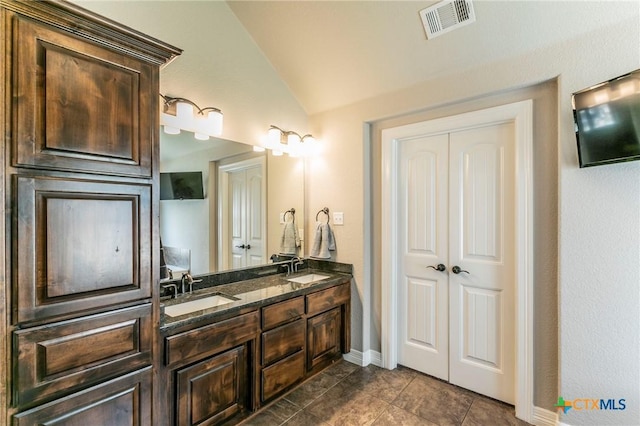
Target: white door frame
point(224, 228)
point(521, 114)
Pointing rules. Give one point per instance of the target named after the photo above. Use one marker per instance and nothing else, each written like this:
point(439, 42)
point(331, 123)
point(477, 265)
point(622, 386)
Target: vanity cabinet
point(208, 370)
point(80, 134)
point(220, 371)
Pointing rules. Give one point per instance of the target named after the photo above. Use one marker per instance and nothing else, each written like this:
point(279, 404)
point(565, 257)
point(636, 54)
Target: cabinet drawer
point(283, 312)
point(122, 401)
point(326, 299)
point(282, 341)
point(212, 338)
point(281, 375)
point(62, 357)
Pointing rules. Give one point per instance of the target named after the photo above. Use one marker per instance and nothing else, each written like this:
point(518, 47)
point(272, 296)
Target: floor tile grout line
point(468, 409)
point(315, 398)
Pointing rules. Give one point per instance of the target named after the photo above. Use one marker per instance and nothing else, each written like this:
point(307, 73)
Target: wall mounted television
point(607, 121)
point(181, 186)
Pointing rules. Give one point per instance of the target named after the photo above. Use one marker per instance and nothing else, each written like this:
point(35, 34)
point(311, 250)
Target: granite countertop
point(249, 293)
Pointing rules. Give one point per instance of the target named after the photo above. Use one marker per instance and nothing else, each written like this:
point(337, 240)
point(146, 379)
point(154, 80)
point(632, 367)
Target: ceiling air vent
point(447, 16)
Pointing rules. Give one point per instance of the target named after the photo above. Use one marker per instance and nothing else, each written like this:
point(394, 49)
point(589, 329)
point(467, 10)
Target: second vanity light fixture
point(182, 114)
point(281, 141)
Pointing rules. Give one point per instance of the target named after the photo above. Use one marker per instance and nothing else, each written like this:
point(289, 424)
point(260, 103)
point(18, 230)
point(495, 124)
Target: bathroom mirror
point(206, 227)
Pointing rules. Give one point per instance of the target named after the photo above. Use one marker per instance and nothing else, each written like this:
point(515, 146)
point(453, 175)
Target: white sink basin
point(197, 305)
point(309, 278)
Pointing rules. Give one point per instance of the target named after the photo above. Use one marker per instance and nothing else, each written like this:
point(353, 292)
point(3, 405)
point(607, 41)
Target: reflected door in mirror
point(247, 220)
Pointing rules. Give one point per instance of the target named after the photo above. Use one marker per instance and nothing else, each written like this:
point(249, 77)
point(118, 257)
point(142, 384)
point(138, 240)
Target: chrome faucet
point(173, 287)
point(295, 262)
point(188, 279)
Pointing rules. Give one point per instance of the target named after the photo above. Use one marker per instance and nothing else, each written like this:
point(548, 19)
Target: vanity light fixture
point(281, 141)
point(182, 114)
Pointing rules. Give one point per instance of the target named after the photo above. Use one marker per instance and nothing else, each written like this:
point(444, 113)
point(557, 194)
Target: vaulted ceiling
point(334, 53)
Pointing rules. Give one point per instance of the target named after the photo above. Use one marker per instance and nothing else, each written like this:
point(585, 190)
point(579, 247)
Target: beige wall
point(285, 189)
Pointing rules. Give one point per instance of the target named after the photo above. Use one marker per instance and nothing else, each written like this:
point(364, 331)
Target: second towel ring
point(325, 211)
point(292, 211)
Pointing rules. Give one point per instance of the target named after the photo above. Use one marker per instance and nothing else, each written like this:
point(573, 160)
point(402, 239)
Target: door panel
point(482, 325)
point(255, 217)
point(246, 190)
point(482, 192)
point(421, 322)
point(237, 192)
point(423, 292)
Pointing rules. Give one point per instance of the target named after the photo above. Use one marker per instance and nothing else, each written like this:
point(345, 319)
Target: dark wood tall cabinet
point(79, 306)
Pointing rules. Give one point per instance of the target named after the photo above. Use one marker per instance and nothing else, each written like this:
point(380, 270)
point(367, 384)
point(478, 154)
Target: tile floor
point(345, 394)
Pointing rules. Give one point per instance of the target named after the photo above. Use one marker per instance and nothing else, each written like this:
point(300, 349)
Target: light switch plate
point(338, 218)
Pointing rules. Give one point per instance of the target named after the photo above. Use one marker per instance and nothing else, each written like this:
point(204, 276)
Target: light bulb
point(273, 136)
point(214, 123)
point(171, 130)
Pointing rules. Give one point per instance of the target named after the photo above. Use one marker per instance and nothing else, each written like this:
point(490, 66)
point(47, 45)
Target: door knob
point(242, 246)
point(456, 270)
point(248, 246)
point(440, 267)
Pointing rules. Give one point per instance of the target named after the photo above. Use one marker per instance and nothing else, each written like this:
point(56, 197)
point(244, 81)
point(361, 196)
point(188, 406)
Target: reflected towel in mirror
point(290, 239)
point(323, 242)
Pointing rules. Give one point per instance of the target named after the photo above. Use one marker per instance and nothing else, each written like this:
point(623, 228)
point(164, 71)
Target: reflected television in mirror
point(181, 186)
point(607, 121)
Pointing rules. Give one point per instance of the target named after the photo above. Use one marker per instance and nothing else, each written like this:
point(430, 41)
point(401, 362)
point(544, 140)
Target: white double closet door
point(456, 194)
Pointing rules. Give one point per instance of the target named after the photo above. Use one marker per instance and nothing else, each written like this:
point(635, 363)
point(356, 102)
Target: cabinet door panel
point(122, 401)
point(323, 338)
point(102, 122)
point(212, 390)
point(60, 357)
point(80, 245)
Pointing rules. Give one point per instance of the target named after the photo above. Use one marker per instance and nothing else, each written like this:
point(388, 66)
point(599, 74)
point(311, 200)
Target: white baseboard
point(544, 417)
point(363, 359)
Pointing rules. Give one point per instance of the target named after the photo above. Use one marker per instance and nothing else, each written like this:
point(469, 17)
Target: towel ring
point(292, 211)
point(325, 211)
